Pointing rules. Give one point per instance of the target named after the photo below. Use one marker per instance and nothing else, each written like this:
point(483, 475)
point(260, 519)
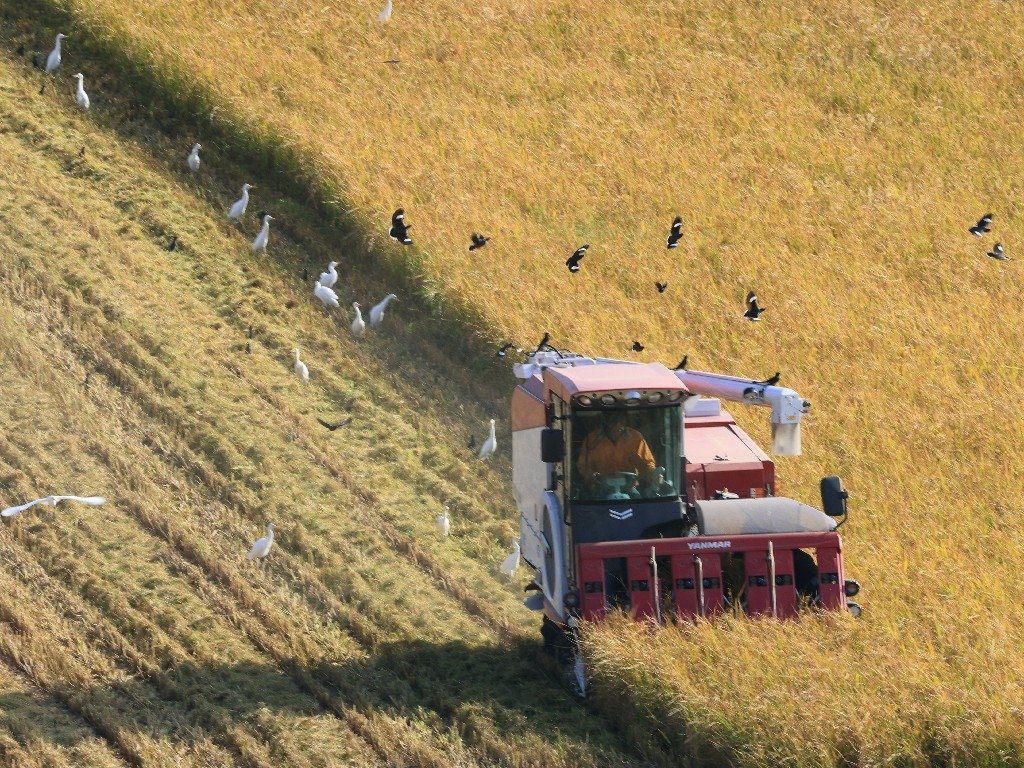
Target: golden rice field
point(830, 156)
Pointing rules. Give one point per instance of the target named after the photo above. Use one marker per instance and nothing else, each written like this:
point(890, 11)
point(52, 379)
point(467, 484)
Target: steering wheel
point(617, 483)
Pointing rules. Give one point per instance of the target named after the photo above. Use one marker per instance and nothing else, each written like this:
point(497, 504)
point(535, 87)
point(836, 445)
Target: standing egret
point(80, 95)
point(260, 243)
point(326, 295)
point(490, 444)
point(262, 546)
point(385, 14)
point(53, 60)
point(510, 564)
point(241, 203)
point(300, 367)
point(377, 312)
point(330, 277)
point(193, 158)
point(444, 523)
point(358, 326)
point(53, 501)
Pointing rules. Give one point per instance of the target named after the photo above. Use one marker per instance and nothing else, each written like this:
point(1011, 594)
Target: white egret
point(326, 295)
point(377, 312)
point(330, 277)
point(300, 367)
point(193, 158)
point(510, 564)
point(80, 95)
point(260, 243)
point(385, 14)
point(53, 501)
point(241, 203)
point(358, 325)
point(490, 444)
point(53, 60)
point(262, 546)
point(444, 523)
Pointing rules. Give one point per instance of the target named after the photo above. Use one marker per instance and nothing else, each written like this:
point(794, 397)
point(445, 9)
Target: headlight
point(585, 400)
point(632, 398)
point(655, 397)
point(608, 399)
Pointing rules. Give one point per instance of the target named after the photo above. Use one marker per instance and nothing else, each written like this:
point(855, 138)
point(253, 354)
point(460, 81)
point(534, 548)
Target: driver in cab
point(613, 447)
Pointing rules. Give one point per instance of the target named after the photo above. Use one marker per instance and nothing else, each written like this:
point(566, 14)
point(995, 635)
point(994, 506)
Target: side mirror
point(552, 446)
point(833, 496)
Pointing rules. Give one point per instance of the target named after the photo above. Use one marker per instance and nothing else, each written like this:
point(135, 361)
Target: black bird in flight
point(173, 245)
point(753, 310)
point(983, 226)
point(505, 348)
point(997, 252)
point(543, 342)
point(682, 363)
point(637, 346)
point(336, 425)
point(660, 286)
point(771, 381)
point(676, 233)
point(399, 229)
point(573, 262)
point(479, 241)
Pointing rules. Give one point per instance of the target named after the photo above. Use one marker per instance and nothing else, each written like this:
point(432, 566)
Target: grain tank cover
point(611, 377)
point(775, 514)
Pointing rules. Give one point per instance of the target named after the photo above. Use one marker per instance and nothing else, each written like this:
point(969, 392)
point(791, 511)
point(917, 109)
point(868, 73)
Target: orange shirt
point(628, 453)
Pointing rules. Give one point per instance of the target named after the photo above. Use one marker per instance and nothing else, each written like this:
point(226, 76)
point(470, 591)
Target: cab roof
point(610, 377)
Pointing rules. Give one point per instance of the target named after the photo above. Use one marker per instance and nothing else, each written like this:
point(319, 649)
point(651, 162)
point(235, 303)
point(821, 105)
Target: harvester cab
point(636, 490)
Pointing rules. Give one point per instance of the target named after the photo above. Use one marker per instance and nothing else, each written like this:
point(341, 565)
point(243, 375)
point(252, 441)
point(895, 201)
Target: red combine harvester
point(676, 513)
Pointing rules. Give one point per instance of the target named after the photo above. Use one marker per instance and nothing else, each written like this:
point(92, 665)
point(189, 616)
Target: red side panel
point(830, 576)
point(592, 590)
point(641, 590)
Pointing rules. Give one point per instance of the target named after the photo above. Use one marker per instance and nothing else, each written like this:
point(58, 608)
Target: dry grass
point(829, 155)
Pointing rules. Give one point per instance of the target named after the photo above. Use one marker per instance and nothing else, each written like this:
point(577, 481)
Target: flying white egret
point(358, 325)
point(193, 158)
point(330, 277)
point(262, 546)
point(53, 60)
point(385, 14)
point(490, 444)
point(326, 295)
point(241, 203)
point(300, 367)
point(510, 564)
point(377, 312)
point(444, 523)
point(260, 243)
point(53, 501)
point(80, 95)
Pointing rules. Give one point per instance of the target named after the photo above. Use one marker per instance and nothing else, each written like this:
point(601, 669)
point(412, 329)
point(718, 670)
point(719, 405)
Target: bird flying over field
point(237, 210)
point(262, 546)
point(332, 426)
point(682, 363)
point(637, 347)
point(399, 229)
point(80, 95)
point(53, 501)
point(997, 252)
point(753, 310)
point(676, 233)
point(543, 342)
point(772, 380)
point(983, 226)
point(660, 286)
point(193, 160)
point(490, 444)
point(573, 262)
point(479, 241)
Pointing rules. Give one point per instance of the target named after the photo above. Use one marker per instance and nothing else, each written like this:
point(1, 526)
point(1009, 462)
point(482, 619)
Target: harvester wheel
point(556, 641)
